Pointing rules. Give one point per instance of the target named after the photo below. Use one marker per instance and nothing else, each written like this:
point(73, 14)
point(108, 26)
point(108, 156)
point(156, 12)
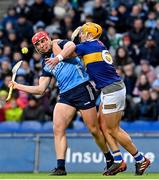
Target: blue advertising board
point(83, 155)
point(28, 154)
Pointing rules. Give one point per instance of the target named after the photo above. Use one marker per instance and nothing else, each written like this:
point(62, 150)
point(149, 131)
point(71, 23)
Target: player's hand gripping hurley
point(14, 71)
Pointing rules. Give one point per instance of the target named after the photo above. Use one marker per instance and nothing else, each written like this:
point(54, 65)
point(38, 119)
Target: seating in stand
point(138, 126)
point(47, 127)
point(9, 127)
point(30, 127)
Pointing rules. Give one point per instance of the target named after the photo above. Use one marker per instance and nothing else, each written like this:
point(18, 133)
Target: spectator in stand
point(13, 40)
point(66, 25)
point(156, 8)
point(24, 28)
point(9, 27)
point(6, 80)
point(10, 16)
point(150, 51)
point(34, 111)
point(2, 36)
point(7, 52)
point(14, 113)
point(1, 52)
point(39, 26)
point(138, 34)
point(114, 39)
point(5, 69)
point(129, 114)
point(48, 104)
point(3, 96)
point(141, 84)
point(151, 23)
point(17, 56)
point(35, 63)
point(22, 8)
point(154, 96)
point(135, 55)
point(146, 109)
point(155, 33)
point(151, 4)
point(123, 14)
point(148, 70)
point(40, 11)
point(99, 13)
point(61, 8)
point(136, 12)
point(122, 57)
point(129, 78)
point(112, 19)
point(155, 84)
point(26, 72)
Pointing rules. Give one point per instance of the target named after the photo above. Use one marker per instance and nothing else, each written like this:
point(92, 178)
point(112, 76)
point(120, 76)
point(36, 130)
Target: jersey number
point(107, 57)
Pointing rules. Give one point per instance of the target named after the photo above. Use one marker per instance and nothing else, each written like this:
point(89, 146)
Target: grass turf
point(76, 176)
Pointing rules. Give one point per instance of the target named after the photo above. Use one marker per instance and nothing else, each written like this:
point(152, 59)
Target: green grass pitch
point(77, 176)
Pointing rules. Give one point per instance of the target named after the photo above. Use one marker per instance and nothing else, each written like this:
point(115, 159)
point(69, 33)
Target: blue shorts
point(81, 97)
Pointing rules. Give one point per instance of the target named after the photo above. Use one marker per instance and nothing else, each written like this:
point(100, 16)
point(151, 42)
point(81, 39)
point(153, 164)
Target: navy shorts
point(81, 97)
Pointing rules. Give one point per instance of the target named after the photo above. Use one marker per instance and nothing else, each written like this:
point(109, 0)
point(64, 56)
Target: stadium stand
point(9, 127)
point(47, 127)
point(30, 127)
point(123, 26)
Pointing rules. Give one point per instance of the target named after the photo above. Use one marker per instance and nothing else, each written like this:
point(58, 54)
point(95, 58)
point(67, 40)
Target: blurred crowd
point(130, 32)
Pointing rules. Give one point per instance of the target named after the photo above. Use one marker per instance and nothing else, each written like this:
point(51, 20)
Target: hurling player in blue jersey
point(99, 65)
point(76, 93)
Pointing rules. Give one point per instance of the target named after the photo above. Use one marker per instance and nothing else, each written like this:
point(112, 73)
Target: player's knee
point(58, 130)
point(94, 131)
point(113, 131)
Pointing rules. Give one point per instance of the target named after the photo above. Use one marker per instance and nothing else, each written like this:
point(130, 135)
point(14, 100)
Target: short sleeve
point(80, 49)
point(61, 43)
point(45, 73)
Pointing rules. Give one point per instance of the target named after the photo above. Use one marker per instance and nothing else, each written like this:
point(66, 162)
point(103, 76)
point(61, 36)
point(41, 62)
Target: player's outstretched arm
point(40, 89)
point(66, 52)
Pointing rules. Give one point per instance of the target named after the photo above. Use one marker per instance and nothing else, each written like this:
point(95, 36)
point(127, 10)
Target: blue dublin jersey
point(69, 73)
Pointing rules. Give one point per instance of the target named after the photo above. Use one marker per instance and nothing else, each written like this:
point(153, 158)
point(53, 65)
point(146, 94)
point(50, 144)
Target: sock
point(109, 159)
point(117, 156)
point(61, 164)
point(138, 157)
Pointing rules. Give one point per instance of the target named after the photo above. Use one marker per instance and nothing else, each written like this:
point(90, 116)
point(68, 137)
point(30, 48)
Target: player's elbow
point(70, 46)
point(40, 91)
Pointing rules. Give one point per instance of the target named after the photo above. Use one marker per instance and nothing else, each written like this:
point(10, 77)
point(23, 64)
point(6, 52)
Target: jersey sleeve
point(80, 49)
point(61, 43)
point(45, 73)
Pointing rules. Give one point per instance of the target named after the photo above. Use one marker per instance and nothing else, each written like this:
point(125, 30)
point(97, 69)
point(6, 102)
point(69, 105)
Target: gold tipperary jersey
point(98, 62)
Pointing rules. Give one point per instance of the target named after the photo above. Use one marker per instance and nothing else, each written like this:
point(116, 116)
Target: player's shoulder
point(61, 42)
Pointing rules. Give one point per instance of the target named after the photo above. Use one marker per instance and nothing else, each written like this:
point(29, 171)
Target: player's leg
point(125, 140)
point(63, 115)
point(84, 100)
point(119, 165)
point(112, 112)
point(90, 119)
point(112, 123)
